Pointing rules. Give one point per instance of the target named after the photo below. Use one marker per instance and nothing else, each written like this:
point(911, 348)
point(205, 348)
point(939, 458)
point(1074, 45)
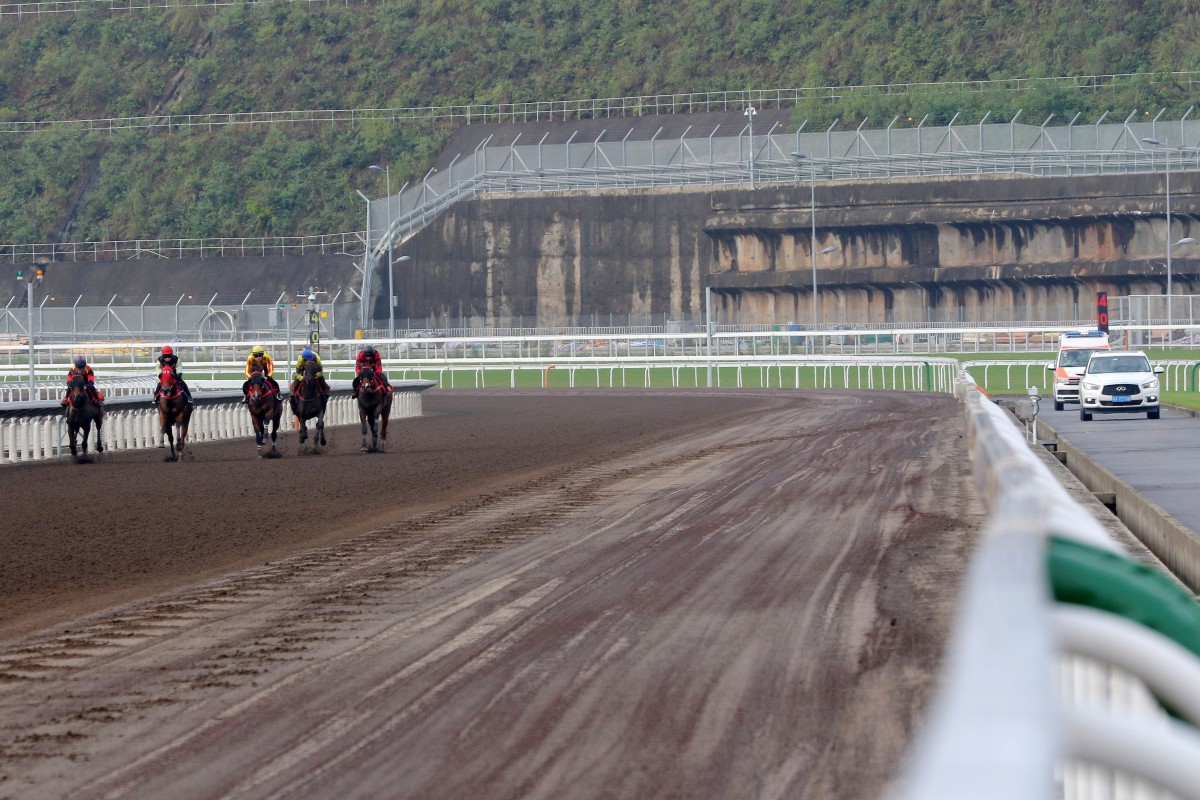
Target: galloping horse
point(374, 408)
point(309, 402)
point(174, 412)
point(82, 411)
point(265, 407)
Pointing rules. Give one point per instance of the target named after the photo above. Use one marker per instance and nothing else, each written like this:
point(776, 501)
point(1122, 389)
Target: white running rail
point(136, 428)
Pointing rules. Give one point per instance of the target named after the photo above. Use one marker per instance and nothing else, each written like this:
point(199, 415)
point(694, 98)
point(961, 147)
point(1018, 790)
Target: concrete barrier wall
point(1175, 545)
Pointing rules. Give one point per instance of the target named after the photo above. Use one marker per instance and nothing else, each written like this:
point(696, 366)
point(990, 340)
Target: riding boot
point(187, 393)
point(354, 387)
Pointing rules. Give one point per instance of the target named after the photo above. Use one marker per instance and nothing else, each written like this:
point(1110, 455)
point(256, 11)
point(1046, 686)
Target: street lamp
point(812, 248)
point(392, 293)
point(387, 173)
point(366, 267)
point(750, 112)
point(31, 277)
point(1185, 240)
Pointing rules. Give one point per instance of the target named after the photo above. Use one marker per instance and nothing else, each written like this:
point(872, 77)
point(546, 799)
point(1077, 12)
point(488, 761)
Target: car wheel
point(1085, 416)
point(1059, 406)
point(1152, 415)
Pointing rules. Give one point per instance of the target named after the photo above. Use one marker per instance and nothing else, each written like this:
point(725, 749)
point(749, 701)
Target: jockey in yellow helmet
point(259, 359)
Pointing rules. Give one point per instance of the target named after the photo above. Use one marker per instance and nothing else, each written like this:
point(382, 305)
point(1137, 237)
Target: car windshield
point(1119, 364)
point(1075, 358)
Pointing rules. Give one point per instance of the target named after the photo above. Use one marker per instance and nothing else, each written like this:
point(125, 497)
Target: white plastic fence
point(1005, 376)
point(118, 386)
point(45, 437)
point(1003, 724)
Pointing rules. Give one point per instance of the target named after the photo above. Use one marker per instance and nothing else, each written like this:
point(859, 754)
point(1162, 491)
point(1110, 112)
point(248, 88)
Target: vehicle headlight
point(1153, 384)
point(1091, 387)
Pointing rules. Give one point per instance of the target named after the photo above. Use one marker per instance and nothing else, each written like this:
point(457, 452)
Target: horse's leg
point(321, 420)
point(362, 421)
point(383, 423)
point(73, 432)
point(99, 432)
point(183, 429)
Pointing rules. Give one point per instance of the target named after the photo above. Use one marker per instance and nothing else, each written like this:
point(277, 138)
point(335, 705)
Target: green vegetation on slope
point(299, 179)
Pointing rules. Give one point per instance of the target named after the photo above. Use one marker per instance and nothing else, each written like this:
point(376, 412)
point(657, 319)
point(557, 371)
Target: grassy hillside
point(61, 184)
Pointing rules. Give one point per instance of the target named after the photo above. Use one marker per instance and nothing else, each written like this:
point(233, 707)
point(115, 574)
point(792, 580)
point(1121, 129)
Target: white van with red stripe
point(1074, 350)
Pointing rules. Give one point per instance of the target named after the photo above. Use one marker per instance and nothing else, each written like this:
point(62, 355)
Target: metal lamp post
point(1185, 240)
point(392, 293)
point(364, 299)
point(31, 277)
point(750, 112)
point(812, 248)
point(387, 174)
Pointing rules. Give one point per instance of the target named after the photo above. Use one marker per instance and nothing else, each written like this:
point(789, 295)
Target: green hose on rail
point(1112, 582)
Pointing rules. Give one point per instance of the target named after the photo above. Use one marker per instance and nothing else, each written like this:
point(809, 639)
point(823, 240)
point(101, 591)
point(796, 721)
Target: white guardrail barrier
point(42, 434)
point(1049, 588)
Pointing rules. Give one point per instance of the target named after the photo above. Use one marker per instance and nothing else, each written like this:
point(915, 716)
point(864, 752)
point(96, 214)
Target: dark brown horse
point(308, 402)
point(82, 411)
point(374, 408)
point(266, 409)
point(174, 413)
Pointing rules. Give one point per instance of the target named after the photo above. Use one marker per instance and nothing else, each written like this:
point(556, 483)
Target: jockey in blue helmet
point(305, 356)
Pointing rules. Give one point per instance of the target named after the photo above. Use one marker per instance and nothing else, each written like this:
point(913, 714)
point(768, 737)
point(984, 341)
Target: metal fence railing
point(216, 247)
point(545, 110)
point(1048, 587)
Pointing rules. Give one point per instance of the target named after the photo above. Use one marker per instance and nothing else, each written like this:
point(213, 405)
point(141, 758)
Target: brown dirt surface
point(532, 594)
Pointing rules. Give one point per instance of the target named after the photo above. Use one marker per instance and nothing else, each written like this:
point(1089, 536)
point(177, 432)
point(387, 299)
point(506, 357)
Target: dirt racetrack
point(533, 594)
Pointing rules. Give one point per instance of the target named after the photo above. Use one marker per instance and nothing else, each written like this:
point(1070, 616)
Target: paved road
point(756, 608)
point(1158, 458)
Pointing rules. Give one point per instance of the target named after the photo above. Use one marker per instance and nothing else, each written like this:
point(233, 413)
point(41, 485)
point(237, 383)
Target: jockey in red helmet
point(368, 358)
point(81, 367)
point(167, 358)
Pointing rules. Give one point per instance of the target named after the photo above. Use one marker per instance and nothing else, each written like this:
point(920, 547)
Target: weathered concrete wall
point(560, 256)
point(986, 248)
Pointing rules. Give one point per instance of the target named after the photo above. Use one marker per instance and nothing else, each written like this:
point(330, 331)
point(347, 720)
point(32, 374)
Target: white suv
point(1119, 382)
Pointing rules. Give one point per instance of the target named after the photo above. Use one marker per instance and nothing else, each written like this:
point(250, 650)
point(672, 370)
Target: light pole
point(812, 248)
point(387, 174)
point(31, 277)
point(392, 295)
point(750, 112)
point(364, 299)
point(1185, 240)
